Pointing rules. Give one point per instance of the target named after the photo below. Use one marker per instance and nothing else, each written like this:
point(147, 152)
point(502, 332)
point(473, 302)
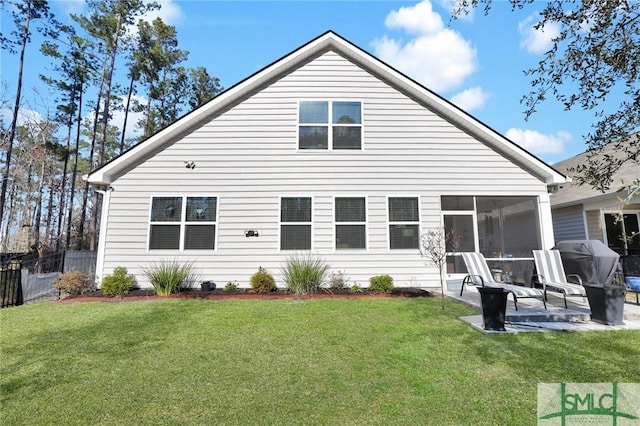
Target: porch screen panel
point(508, 226)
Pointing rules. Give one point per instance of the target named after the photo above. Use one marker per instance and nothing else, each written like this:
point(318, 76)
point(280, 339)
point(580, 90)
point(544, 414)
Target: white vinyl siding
point(248, 156)
point(568, 223)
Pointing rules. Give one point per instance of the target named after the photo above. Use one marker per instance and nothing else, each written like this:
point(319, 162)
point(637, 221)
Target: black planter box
point(207, 286)
point(494, 307)
point(606, 303)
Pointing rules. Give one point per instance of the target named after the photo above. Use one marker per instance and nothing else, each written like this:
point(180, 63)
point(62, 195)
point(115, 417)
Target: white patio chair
point(480, 275)
point(550, 273)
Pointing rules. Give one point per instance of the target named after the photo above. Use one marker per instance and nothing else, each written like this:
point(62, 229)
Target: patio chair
point(631, 273)
point(550, 273)
point(480, 275)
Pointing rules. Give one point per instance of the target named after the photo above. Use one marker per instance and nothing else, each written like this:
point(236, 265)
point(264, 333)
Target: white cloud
point(169, 12)
point(537, 40)
point(453, 5)
point(132, 118)
point(471, 99)
point(76, 7)
point(25, 116)
point(437, 57)
point(538, 143)
point(418, 19)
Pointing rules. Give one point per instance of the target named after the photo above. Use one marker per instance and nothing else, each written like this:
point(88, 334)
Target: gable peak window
point(330, 125)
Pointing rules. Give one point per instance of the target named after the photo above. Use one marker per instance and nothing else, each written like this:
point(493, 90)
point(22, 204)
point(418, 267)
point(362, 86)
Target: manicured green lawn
point(306, 362)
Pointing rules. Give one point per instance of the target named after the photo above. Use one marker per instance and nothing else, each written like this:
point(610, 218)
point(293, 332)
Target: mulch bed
point(149, 294)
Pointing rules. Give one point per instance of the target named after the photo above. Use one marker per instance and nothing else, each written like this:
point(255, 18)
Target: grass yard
point(397, 361)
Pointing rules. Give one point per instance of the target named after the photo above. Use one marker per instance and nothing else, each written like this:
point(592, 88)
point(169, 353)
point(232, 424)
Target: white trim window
point(404, 223)
point(183, 223)
point(350, 222)
point(295, 223)
point(330, 125)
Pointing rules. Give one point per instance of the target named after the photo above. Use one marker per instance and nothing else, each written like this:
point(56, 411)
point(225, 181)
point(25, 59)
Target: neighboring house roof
point(328, 41)
point(572, 193)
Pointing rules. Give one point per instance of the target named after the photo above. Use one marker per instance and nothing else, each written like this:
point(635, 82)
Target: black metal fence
point(11, 285)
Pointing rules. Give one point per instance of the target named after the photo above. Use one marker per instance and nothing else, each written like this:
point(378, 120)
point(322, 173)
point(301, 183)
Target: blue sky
point(476, 62)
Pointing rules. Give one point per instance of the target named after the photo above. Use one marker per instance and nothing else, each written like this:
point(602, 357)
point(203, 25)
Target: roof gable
point(328, 41)
point(573, 193)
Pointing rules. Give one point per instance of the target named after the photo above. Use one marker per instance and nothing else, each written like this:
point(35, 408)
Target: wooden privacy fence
point(11, 285)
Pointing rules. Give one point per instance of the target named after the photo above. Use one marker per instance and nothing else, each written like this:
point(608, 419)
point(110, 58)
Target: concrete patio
point(531, 315)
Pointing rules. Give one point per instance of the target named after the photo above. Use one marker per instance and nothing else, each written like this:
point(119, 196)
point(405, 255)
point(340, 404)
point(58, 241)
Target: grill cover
point(592, 260)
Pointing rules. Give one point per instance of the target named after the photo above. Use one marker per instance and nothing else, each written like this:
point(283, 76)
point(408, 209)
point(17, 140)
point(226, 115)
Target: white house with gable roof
point(328, 151)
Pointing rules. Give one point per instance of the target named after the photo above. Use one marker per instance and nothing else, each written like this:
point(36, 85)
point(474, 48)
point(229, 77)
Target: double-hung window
point(295, 223)
point(183, 223)
point(350, 218)
point(330, 125)
point(404, 223)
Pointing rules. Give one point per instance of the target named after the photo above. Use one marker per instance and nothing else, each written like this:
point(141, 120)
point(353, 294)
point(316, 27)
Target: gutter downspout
point(102, 240)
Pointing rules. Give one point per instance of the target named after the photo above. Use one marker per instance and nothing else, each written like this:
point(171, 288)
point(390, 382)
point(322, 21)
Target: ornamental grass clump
point(119, 283)
point(167, 277)
point(304, 273)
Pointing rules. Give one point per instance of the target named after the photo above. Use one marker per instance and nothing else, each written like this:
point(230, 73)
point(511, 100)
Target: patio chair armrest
point(574, 276)
point(470, 279)
point(539, 278)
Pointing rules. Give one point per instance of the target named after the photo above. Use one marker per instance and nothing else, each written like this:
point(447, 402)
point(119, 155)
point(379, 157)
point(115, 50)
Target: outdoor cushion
point(550, 273)
point(633, 283)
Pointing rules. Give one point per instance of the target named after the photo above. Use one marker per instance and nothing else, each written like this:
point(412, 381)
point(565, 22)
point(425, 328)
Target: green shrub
point(338, 280)
point(356, 288)
point(231, 286)
point(262, 281)
point(304, 273)
point(167, 277)
point(73, 282)
point(381, 284)
point(119, 283)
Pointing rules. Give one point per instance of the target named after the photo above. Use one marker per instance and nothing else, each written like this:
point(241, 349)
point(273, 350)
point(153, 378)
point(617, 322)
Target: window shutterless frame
point(183, 222)
point(295, 225)
point(403, 219)
point(330, 125)
point(350, 229)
